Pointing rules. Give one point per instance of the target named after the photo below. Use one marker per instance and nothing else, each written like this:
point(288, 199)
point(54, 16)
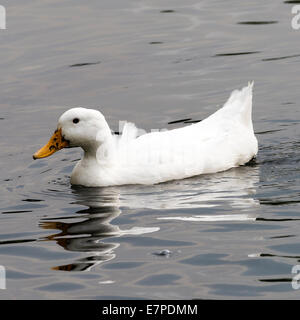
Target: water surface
point(161, 65)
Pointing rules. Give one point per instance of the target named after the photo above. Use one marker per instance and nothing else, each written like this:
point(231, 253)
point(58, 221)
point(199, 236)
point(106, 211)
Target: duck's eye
point(75, 120)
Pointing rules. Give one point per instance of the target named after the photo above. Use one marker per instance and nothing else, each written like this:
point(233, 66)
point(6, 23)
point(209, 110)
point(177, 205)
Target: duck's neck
point(90, 154)
point(99, 153)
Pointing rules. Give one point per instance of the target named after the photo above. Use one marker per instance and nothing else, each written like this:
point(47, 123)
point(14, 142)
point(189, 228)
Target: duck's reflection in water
point(235, 188)
point(88, 235)
point(225, 196)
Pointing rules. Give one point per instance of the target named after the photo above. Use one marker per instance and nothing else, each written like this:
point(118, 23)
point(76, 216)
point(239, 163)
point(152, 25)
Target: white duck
point(222, 141)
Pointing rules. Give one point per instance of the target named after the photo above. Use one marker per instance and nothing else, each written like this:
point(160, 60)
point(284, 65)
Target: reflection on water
point(234, 188)
point(210, 218)
point(91, 234)
point(88, 234)
point(85, 236)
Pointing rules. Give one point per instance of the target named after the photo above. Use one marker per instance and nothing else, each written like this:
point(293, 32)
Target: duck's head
point(77, 127)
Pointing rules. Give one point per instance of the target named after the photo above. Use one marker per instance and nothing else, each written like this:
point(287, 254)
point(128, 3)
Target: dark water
point(228, 235)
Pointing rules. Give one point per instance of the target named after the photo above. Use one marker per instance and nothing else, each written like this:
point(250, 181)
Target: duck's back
point(220, 142)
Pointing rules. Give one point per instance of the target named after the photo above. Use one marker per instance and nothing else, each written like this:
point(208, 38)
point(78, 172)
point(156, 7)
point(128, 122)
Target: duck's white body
point(220, 142)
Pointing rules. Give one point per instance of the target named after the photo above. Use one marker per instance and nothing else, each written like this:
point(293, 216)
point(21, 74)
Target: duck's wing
point(219, 142)
point(226, 123)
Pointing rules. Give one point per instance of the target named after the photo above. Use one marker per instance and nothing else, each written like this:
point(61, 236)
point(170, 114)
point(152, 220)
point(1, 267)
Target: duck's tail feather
point(240, 102)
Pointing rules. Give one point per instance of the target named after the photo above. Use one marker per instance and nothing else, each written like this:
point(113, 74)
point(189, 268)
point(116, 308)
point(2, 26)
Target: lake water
point(230, 235)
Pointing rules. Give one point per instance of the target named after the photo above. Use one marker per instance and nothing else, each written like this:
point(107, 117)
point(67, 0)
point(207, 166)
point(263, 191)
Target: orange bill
point(56, 143)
